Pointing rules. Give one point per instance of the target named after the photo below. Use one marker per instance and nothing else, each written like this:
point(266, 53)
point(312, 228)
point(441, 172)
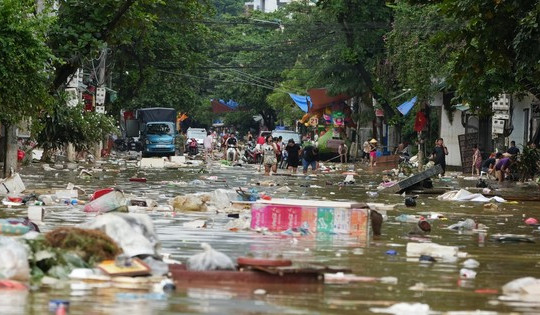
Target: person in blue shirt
point(513, 149)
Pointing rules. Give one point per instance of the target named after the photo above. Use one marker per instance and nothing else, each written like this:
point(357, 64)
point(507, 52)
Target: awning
point(462, 107)
point(220, 106)
point(304, 102)
point(321, 99)
point(406, 107)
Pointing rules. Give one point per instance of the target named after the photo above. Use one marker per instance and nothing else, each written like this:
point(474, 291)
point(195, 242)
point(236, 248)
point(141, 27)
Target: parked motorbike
point(120, 145)
point(231, 153)
point(252, 155)
point(128, 144)
point(193, 147)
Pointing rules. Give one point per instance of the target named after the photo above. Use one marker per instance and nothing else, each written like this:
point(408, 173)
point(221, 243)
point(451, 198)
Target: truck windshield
point(158, 129)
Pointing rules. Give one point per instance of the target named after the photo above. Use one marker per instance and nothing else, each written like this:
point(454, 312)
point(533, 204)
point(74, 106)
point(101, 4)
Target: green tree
point(147, 47)
point(247, 64)
point(342, 44)
point(229, 7)
point(418, 61)
point(24, 65)
point(82, 29)
point(157, 63)
point(66, 124)
point(485, 48)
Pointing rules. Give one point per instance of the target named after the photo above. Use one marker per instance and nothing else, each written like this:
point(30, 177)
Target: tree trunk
point(420, 152)
point(70, 152)
point(11, 146)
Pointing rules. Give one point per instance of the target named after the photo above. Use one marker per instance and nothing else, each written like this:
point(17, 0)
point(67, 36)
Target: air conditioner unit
point(501, 115)
point(502, 103)
point(100, 95)
point(497, 126)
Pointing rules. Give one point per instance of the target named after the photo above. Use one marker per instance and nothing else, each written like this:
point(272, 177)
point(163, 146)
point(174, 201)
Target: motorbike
point(231, 153)
point(128, 144)
point(120, 145)
point(193, 147)
point(252, 155)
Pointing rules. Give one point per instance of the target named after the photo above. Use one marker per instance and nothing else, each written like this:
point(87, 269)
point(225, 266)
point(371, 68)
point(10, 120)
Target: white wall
point(270, 5)
point(450, 132)
point(518, 119)
point(267, 5)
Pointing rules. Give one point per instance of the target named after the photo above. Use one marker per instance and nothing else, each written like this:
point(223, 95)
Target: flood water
point(436, 284)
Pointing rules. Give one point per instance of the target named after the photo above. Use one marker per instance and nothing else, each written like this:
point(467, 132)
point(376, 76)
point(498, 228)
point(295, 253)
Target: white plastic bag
point(210, 259)
point(13, 260)
point(133, 232)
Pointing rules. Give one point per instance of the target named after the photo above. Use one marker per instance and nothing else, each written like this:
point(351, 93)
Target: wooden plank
point(415, 179)
point(314, 203)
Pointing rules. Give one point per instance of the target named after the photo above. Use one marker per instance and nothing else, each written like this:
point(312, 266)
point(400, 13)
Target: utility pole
point(100, 94)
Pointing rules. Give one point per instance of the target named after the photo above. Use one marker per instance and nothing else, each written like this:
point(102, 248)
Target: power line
point(221, 80)
point(245, 74)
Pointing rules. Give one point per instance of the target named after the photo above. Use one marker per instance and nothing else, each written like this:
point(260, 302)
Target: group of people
point(497, 164)
point(272, 151)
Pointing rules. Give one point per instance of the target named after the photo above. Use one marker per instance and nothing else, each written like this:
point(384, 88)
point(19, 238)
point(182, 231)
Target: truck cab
point(158, 138)
point(157, 131)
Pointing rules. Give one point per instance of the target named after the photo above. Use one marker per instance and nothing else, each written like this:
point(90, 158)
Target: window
point(158, 129)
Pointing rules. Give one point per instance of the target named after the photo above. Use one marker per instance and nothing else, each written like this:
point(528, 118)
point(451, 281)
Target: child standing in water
point(477, 161)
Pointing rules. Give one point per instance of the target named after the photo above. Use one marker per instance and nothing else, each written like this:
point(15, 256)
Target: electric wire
point(222, 80)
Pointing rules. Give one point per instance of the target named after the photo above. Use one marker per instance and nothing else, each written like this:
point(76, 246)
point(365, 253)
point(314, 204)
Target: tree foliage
point(419, 61)
point(24, 60)
point(247, 63)
point(156, 63)
point(499, 47)
point(476, 49)
point(65, 124)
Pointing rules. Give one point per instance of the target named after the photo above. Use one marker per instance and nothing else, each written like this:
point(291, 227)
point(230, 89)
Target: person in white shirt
point(208, 144)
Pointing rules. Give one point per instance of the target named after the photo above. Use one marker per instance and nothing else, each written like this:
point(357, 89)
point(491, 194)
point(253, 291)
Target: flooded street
point(396, 278)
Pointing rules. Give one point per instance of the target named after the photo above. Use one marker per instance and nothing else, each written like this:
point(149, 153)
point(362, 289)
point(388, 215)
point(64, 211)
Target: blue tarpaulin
point(304, 102)
point(406, 107)
point(232, 104)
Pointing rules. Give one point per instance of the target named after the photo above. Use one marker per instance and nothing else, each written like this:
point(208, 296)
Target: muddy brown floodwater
point(435, 284)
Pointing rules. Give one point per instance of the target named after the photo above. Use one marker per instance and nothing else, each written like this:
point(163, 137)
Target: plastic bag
point(210, 259)
point(14, 260)
point(133, 232)
point(190, 202)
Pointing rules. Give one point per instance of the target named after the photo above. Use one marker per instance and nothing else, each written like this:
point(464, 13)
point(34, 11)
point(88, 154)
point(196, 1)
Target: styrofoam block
point(432, 249)
point(12, 185)
point(66, 193)
point(152, 163)
point(178, 159)
point(36, 213)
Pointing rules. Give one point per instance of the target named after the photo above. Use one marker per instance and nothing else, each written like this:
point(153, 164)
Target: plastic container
point(55, 305)
point(101, 192)
point(465, 273)
point(431, 249)
point(107, 202)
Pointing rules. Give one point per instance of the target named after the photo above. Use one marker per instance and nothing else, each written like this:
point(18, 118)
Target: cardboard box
point(275, 217)
point(322, 216)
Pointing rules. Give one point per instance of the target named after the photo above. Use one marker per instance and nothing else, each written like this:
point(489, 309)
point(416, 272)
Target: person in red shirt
point(261, 140)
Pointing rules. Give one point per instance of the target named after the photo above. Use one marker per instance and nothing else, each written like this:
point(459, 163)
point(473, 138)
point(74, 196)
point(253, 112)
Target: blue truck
point(157, 131)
